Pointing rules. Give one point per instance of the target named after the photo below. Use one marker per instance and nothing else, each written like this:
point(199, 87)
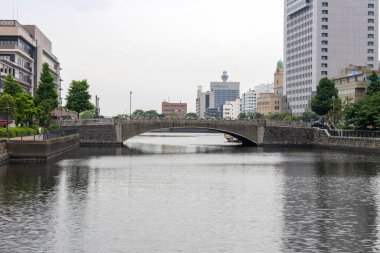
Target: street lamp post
point(130, 105)
point(7, 108)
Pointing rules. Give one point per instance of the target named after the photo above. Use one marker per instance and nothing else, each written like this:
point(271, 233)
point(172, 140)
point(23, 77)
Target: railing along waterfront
point(59, 133)
point(350, 133)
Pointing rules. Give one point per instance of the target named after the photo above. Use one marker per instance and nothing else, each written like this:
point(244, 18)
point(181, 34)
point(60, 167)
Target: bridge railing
point(112, 121)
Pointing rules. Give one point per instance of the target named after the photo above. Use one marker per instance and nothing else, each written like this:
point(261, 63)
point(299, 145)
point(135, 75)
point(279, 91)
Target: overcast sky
point(158, 49)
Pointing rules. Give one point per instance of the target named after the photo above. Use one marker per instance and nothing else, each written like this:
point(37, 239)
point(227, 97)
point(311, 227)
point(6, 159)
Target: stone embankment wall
point(3, 150)
point(288, 136)
point(322, 139)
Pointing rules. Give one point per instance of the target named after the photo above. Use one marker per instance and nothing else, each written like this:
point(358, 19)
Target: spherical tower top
point(280, 64)
point(224, 76)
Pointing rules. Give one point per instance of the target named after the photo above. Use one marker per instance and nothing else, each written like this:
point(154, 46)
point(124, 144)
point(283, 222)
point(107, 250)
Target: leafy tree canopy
point(78, 97)
point(192, 115)
point(374, 85)
point(46, 89)
point(322, 102)
point(11, 86)
point(7, 106)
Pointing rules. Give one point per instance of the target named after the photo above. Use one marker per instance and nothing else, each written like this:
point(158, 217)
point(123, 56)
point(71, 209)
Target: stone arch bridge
point(116, 131)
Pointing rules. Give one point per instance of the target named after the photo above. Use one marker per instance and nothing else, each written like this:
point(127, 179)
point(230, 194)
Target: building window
point(370, 58)
point(325, 35)
point(324, 50)
point(371, 28)
point(371, 13)
point(371, 36)
point(324, 73)
point(324, 65)
point(371, 21)
point(325, 42)
point(325, 27)
point(371, 43)
point(327, 12)
point(325, 20)
point(370, 51)
point(324, 4)
point(371, 6)
point(324, 57)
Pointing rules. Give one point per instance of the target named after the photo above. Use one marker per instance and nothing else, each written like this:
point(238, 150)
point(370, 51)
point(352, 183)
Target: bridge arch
point(247, 134)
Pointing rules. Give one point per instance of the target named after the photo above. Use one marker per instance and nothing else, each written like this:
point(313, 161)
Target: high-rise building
point(322, 37)
point(202, 102)
point(249, 102)
point(220, 92)
point(23, 51)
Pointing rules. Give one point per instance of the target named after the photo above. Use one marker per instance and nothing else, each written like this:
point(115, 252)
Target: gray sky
point(158, 49)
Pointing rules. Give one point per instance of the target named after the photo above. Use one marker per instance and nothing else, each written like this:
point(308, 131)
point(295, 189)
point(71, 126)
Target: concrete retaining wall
point(3, 150)
point(41, 150)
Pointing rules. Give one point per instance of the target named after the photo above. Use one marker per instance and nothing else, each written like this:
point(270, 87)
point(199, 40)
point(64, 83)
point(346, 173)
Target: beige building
point(174, 110)
point(23, 51)
point(352, 82)
point(271, 103)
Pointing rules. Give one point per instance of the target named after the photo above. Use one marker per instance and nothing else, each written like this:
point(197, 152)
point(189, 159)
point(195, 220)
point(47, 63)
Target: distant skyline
point(158, 49)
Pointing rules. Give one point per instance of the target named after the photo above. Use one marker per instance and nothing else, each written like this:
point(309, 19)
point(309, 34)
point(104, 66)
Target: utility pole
point(97, 109)
point(130, 105)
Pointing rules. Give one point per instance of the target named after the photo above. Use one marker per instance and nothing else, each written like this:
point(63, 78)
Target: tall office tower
point(249, 102)
point(23, 51)
point(321, 37)
point(202, 102)
point(220, 92)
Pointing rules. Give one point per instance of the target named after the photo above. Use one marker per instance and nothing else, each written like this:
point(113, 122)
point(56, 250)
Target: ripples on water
point(178, 194)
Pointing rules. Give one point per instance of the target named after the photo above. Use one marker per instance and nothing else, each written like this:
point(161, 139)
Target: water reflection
point(171, 195)
point(330, 205)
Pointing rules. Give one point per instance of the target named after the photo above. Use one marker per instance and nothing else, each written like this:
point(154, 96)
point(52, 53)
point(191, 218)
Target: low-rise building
point(269, 103)
point(352, 82)
point(231, 109)
point(174, 110)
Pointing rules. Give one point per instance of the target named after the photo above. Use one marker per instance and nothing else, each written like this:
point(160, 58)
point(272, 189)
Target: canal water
point(192, 193)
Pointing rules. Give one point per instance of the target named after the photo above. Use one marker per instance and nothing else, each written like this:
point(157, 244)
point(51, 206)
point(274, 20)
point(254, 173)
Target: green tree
point(242, 116)
point(26, 110)
point(11, 86)
point(44, 112)
point(374, 85)
point(151, 114)
point(78, 97)
point(308, 116)
point(89, 114)
point(7, 106)
point(192, 115)
point(322, 102)
point(46, 89)
point(365, 113)
point(336, 112)
point(138, 114)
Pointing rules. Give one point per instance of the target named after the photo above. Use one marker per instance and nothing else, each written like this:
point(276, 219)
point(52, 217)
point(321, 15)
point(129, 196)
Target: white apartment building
point(249, 102)
point(202, 102)
point(321, 37)
point(231, 109)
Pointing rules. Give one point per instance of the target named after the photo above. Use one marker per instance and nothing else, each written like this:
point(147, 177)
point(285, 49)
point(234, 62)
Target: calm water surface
point(192, 193)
